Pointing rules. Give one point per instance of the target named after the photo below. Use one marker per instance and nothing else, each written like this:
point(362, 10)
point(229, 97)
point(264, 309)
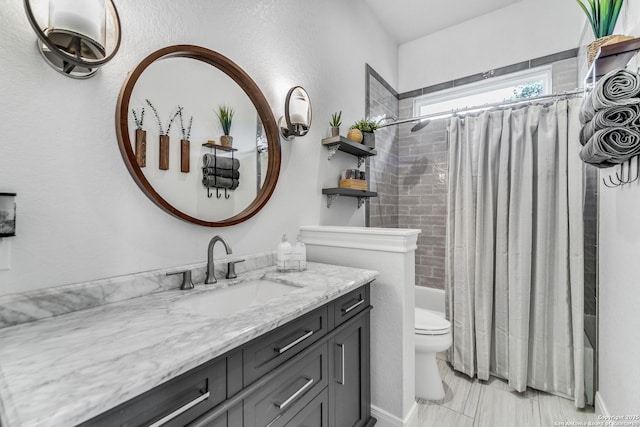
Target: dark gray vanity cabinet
point(349, 388)
point(174, 403)
point(311, 372)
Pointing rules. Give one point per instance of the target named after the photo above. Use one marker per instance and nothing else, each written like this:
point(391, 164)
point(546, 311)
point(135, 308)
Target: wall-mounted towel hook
point(226, 196)
point(620, 176)
point(218, 194)
point(209, 195)
point(615, 184)
point(630, 174)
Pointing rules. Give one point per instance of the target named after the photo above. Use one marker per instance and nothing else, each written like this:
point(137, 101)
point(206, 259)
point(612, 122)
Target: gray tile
point(503, 385)
point(555, 410)
point(498, 408)
point(571, 53)
point(437, 87)
point(410, 94)
point(461, 393)
point(520, 66)
point(434, 415)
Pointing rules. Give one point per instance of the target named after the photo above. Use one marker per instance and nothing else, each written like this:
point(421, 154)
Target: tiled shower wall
point(411, 171)
point(422, 199)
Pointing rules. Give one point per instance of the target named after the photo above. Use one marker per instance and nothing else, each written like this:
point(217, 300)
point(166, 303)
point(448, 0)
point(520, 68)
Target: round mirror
point(198, 136)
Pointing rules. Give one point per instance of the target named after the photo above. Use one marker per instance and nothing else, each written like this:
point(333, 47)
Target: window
point(527, 84)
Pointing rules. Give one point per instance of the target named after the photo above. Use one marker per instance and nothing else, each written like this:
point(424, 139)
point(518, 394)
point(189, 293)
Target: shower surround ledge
point(67, 369)
point(392, 252)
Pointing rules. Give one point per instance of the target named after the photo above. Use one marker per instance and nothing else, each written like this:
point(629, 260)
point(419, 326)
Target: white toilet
point(433, 335)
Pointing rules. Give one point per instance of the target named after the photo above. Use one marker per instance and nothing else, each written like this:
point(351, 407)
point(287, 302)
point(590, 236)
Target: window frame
point(494, 83)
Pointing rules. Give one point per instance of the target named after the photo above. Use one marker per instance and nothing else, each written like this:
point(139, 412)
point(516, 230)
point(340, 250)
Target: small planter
point(354, 135)
point(141, 147)
point(164, 152)
point(335, 131)
point(369, 139)
point(226, 141)
point(184, 155)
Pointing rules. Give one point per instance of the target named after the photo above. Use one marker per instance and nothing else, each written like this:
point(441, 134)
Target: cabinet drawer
point(269, 351)
point(276, 402)
point(348, 305)
point(174, 403)
point(315, 414)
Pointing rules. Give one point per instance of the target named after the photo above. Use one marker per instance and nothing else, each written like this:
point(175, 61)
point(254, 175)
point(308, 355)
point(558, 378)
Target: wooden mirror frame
point(254, 93)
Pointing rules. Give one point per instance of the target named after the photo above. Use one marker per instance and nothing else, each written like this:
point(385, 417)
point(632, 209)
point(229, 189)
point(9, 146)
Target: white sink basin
point(226, 301)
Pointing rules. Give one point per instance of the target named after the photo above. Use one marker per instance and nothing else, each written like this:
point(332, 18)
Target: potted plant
point(366, 127)
point(602, 16)
point(225, 115)
point(335, 123)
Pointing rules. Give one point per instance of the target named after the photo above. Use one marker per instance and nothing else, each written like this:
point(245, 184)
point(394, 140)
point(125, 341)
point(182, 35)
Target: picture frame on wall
point(7, 214)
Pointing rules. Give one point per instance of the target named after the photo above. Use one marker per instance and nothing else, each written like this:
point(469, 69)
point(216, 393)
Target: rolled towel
point(212, 161)
point(213, 181)
point(618, 87)
point(611, 146)
point(226, 173)
point(618, 116)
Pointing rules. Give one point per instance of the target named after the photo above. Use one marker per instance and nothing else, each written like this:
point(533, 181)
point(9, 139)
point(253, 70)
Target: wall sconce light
point(7, 214)
point(297, 114)
point(76, 41)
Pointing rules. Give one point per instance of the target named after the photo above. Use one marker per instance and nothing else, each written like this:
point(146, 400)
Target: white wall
point(525, 30)
point(80, 214)
point(619, 293)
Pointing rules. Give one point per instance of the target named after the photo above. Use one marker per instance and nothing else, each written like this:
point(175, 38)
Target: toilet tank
point(430, 298)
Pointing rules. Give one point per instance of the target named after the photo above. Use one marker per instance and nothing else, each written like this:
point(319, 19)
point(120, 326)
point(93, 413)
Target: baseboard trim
point(412, 416)
point(601, 408)
point(386, 419)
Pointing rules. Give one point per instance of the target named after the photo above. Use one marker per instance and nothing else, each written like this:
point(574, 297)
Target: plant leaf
point(617, 7)
point(605, 17)
point(586, 12)
point(595, 14)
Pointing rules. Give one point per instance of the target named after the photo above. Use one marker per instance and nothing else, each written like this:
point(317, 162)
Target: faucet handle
point(231, 269)
point(187, 284)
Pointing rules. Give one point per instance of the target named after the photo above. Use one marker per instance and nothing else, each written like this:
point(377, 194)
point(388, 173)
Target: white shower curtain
point(515, 247)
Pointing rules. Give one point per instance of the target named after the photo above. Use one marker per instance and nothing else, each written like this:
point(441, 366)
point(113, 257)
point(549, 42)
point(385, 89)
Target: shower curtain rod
point(424, 120)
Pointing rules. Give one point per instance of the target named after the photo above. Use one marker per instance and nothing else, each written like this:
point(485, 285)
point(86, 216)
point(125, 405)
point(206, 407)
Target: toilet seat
point(429, 323)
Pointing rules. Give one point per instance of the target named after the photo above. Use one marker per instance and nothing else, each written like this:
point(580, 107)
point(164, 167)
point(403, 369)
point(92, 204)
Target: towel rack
point(215, 148)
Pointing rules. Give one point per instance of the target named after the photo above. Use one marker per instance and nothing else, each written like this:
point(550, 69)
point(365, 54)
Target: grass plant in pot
point(602, 16)
point(367, 127)
point(225, 115)
point(336, 121)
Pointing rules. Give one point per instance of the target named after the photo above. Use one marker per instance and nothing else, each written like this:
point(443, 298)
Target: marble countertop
point(67, 369)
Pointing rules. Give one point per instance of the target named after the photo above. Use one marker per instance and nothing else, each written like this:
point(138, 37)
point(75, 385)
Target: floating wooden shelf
point(340, 143)
point(333, 193)
point(219, 147)
point(612, 57)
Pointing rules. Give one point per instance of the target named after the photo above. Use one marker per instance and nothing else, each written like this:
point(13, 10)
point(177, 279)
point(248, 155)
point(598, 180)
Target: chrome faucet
point(211, 276)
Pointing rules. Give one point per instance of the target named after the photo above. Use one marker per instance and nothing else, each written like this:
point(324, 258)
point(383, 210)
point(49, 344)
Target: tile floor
point(474, 403)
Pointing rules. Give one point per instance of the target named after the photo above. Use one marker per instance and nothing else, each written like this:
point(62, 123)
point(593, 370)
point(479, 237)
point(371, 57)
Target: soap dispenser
point(283, 257)
point(300, 255)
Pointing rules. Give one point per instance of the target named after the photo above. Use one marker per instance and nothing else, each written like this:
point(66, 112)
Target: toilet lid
point(428, 321)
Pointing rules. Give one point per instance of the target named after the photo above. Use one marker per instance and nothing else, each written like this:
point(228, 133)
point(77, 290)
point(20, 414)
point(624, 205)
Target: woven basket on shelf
point(594, 47)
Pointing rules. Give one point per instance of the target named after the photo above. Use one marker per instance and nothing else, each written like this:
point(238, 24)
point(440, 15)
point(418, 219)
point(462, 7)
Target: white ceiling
point(407, 20)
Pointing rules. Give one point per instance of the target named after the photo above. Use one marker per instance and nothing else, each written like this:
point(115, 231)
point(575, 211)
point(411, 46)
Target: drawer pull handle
point(294, 343)
point(353, 307)
point(180, 410)
point(342, 379)
point(295, 395)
